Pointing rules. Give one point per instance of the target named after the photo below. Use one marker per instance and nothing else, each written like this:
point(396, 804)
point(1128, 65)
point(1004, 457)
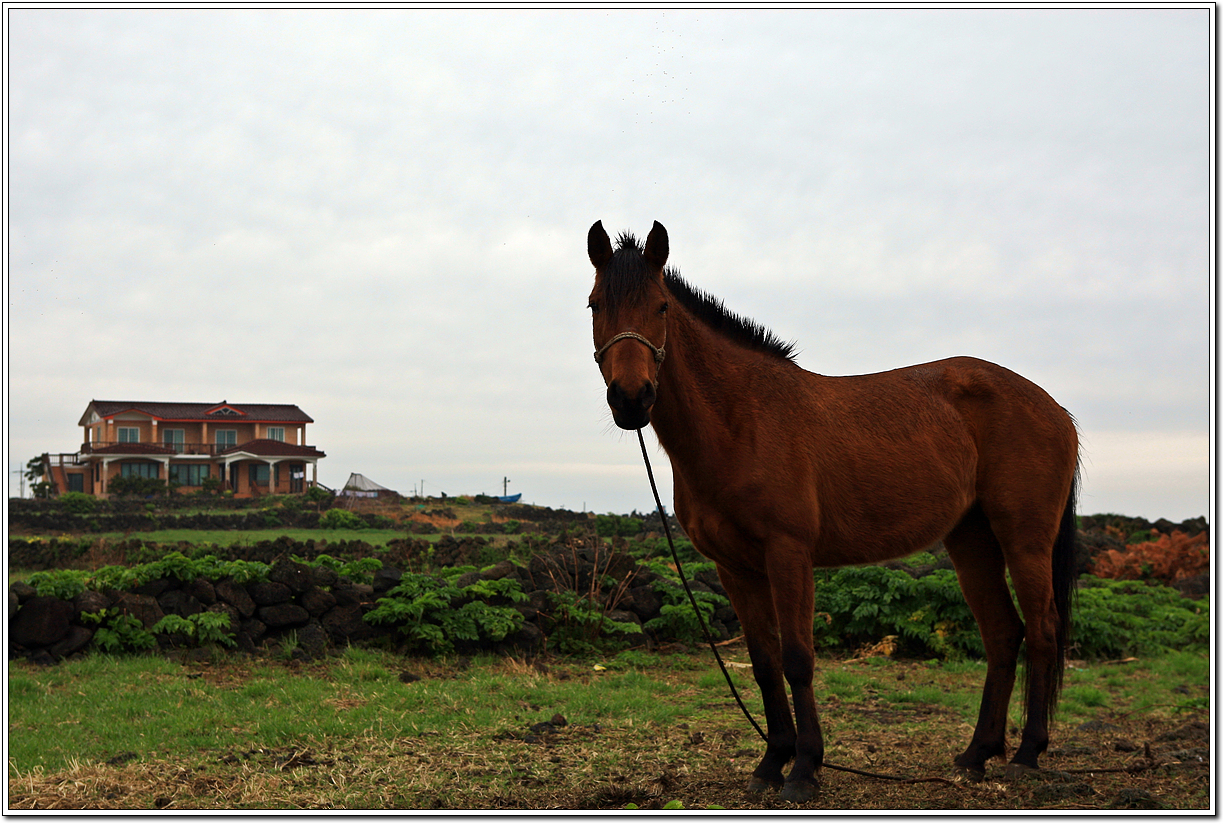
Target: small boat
point(509, 499)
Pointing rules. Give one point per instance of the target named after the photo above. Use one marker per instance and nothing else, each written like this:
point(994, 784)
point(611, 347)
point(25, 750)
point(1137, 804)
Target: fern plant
point(202, 627)
point(118, 632)
point(434, 614)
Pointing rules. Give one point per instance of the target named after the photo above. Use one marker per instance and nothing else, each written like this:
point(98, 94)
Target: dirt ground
point(1135, 764)
point(1123, 764)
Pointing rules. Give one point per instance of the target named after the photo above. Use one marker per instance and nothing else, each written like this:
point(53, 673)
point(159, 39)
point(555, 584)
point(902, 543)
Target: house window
point(226, 438)
point(76, 481)
point(259, 474)
point(129, 434)
point(139, 469)
point(276, 433)
point(188, 474)
point(173, 438)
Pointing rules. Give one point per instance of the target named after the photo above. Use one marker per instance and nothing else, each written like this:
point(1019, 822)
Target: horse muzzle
point(631, 410)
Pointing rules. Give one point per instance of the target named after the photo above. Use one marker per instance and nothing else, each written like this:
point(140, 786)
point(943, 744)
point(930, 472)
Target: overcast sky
point(381, 217)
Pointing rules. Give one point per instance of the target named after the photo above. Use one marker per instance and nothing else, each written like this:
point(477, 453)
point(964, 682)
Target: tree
point(34, 474)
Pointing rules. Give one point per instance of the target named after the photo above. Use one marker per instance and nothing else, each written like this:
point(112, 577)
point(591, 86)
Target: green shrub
point(341, 519)
point(359, 571)
point(136, 486)
point(576, 624)
point(317, 495)
point(657, 548)
point(118, 632)
point(65, 584)
point(78, 503)
point(611, 526)
point(435, 614)
point(1115, 619)
point(676, 618)
point(202, 628)
point(858, 605)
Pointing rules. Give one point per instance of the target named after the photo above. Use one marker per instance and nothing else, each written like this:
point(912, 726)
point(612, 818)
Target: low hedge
point(573, 593)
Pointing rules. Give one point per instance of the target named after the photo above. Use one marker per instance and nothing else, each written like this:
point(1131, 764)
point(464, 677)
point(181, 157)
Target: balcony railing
point(202, 449)
point(174, 448)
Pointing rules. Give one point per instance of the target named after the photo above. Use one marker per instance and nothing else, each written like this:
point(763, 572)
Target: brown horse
point(778, 470)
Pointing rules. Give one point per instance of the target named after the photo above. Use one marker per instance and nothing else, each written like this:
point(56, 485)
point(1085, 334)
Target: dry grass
point(1102, 758)
point(588, 767)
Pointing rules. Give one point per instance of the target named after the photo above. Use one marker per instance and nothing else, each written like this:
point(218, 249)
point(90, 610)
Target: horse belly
point(896, 508)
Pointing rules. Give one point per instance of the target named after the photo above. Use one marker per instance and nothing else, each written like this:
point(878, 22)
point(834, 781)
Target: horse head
point(629, 319)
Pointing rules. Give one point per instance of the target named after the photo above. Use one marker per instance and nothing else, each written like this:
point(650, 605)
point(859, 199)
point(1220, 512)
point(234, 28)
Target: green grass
point(97, 707)
point(94, 708)
point(231, 537)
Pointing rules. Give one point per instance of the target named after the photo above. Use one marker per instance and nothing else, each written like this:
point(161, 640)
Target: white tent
point(359, 486)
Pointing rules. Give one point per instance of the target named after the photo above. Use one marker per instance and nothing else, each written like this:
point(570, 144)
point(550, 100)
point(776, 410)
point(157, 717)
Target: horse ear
point(656, 246)
point(599, 247)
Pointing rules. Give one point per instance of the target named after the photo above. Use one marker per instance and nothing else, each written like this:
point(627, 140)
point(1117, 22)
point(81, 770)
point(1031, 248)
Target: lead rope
point(710, 638)
point(692, 599)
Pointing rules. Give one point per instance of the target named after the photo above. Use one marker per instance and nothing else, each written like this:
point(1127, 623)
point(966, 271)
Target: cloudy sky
point(381, 216)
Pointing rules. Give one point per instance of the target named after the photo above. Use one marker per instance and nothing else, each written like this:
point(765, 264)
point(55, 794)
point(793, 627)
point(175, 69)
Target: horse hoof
point(799, 791)
point(760, 785)
point(1016, 772)
point(970, 773)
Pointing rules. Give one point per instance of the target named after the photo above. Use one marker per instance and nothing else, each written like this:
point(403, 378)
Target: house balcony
point(202, 450)
point(128, 447)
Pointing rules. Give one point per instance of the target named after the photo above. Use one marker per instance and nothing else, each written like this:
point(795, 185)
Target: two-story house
point(250, 448)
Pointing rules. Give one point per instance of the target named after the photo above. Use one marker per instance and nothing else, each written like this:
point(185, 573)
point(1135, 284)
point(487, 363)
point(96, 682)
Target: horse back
point(864, 468)
point(896, 459)
point(928, 442)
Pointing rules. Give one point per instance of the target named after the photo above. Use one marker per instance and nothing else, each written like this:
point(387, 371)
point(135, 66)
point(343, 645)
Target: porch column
point(272, 474)
point(105, 483)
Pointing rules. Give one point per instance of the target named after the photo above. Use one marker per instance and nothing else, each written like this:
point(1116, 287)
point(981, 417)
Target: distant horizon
point(653, 510)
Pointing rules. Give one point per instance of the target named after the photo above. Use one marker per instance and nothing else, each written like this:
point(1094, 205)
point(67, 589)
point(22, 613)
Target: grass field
point(366, 729)
point(239, 537)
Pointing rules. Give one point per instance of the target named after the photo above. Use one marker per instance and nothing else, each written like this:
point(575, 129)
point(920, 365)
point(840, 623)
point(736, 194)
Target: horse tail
point(1064, 579)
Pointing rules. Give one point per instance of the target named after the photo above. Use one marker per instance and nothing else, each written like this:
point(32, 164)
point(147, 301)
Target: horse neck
point(707, 397)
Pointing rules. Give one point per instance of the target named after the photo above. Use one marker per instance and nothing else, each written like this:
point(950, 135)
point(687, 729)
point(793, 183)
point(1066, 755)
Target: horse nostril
point(616, 395)
point(647, 398)
point(621, 400)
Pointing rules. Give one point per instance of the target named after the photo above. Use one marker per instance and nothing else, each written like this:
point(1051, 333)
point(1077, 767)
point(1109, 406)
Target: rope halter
point(659, 351)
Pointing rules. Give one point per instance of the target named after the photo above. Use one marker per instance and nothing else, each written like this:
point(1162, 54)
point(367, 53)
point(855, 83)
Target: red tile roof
point(164, 411)
point(265, 448)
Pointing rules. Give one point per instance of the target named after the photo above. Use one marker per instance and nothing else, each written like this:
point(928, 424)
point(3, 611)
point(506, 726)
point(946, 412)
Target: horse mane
point(626, 277)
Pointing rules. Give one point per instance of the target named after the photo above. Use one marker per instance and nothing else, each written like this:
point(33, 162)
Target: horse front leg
point(790, 574)
point(753, 603)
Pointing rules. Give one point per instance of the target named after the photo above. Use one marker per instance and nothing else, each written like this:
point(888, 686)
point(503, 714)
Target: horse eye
point(663, 309)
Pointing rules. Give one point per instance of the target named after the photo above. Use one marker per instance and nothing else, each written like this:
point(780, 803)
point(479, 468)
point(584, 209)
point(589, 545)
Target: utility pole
point(505, 483)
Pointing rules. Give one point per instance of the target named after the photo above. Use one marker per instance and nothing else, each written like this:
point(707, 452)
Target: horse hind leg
point(753, 603)
point(979, 563)
point(1040, 556)
point(1044, 658)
